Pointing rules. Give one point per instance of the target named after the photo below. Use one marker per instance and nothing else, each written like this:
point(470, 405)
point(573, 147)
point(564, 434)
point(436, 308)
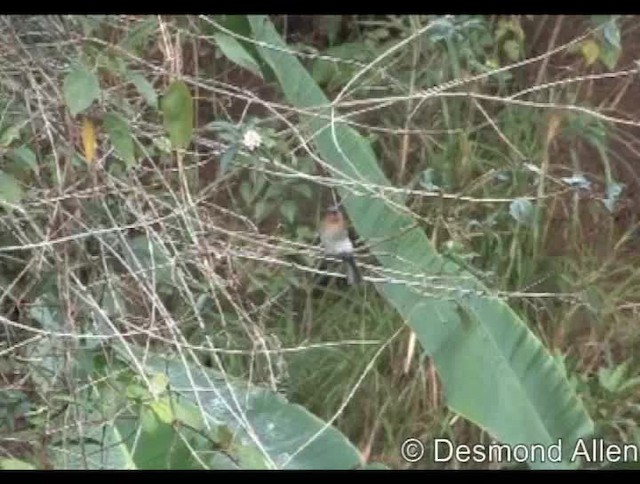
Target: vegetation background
point(161, 180)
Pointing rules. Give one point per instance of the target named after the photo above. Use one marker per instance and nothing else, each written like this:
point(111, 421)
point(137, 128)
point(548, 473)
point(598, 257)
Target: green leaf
point(162, 409)
point(227, 159)
point(9, 135)
point(282, 428)
point(611, 379)
point(163, 144)
point(330, 24)
point(94, 440)
point(236, 53)
point(15, 465)
point(149, 420)
point(159, 383)
point(609, 55)
point(10, 189)
point(611, 33)
point(140, 35)
point(46, 311)
point(145, 88)
point(26, 156)
point(339, 71)
point(151, 258)
point(177, 110)
point(118, 130)
point(189, 415)
point(262, 209)
point(81, 88)
point(246, 192)
point(303, 190)
point(288, 209)
point(238, 24)
point(494, 371)
point(250, 457)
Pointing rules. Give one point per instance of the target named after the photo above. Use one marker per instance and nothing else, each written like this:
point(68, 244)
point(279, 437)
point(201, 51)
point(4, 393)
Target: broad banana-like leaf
point(495, 372)
point(263, 430)
point(283, 435)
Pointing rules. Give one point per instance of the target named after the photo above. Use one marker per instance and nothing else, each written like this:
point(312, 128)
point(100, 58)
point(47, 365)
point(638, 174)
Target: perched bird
point(334, 237)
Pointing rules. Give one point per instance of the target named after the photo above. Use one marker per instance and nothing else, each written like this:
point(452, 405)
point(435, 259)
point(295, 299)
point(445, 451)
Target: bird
point(335, 240)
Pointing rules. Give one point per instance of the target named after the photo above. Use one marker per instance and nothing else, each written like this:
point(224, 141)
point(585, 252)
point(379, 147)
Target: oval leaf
point(590, 51)
point(25, 156)
point(10, 189)
point(81, 88)
point(120, 136)
point(177, 110)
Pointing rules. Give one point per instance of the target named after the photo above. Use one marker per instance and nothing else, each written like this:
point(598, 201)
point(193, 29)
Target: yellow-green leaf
point(590, 51)
point(15, 465)
point(120, 136)
point(512, 49)
point(163, 410)
point(188, 414)
point(159, 383)
point(177, 111)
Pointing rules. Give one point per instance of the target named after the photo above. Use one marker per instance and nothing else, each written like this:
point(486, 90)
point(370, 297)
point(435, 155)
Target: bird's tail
point(353, 273)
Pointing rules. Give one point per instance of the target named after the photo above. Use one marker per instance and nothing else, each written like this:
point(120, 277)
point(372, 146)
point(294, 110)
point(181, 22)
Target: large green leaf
point(495, 372)
point(177, 111)
point(256, 427)
point(289, 436)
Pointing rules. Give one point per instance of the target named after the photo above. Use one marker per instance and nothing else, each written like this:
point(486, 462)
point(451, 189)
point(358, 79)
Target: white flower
point(252, 139)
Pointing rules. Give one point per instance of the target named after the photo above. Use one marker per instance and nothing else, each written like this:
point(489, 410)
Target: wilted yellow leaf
point(89, 140)
point(590, 51)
